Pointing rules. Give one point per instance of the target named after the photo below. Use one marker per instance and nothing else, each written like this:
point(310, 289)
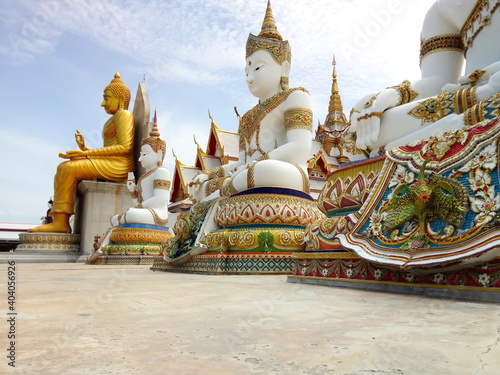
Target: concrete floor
point(80, 319)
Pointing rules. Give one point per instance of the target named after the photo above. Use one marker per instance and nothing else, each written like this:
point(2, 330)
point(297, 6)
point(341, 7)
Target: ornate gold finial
point(154, 139)
point(119, 90)
point(269, 28)
point(335, 119)
point(270, 39)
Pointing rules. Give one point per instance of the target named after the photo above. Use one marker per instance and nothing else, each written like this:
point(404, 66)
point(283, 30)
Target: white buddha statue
point(152, 192)
point(274, 146)
point(146, 223)
point(453, 32)
point(275, 135)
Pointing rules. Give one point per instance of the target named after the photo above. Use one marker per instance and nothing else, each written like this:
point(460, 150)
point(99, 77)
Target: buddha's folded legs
point(272, 173)
point(66, 180)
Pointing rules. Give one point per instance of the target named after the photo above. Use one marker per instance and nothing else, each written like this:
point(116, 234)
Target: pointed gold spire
point(154, 132)
point(269, 39)
point(269, 28)
point(336, 118)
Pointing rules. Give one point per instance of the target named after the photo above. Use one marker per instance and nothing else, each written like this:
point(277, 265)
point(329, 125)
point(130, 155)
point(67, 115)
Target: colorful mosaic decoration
point(435, 108)
point(126, 259)
point(263, 220)
point(345, 191)
point(479, 18)
point(231, 264)
point(133, 244)
point(345, 266)
point(261, 208)
point(348, 187)
point(130, 249)
point(186, 230)
point(249, 126)
point(132, 234)
point(445, 42)
point(260, 239)
point(436, 203)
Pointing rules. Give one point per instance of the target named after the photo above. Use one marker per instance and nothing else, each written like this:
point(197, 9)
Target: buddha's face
point(263, 74)
point(148, 157)
point(110, 102)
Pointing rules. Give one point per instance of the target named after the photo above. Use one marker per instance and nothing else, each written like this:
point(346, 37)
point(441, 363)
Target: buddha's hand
point(367, 113)
point(131, 186)
point(491, 88)
point(73, 155)
point(80, 141)
point(198, 180)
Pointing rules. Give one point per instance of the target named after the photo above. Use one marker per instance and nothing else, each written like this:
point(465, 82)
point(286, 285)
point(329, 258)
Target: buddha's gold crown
point(270, 39)
point(155, 141)
point(119, 90)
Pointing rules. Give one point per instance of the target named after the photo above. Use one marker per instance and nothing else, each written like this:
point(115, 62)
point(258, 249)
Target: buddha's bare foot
point(60, 225)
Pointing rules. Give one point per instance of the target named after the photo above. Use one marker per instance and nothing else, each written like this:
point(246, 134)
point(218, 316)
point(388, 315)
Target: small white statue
point(151, 194)
point(453, 32)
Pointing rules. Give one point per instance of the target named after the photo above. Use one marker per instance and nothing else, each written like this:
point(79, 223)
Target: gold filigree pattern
point(348, 142)
point(440, 144)
point(405, 92)
point(214, 185)
point(434, 109)
point(298, 118)
point(280, 51)
point(157, 219)
point(445, 42)
point(251, 176)
point(322, 233)
point(486, 109)
point(132, 250)
point(250, 122)
point(161, 184)
point(247, 239)
point(369, 115)
point(479, 18)
point(228, 189)
point(139, 235)
point(266, 209)
point(215, 172)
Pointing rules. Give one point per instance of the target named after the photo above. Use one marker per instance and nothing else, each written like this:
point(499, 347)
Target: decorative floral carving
point(485, 204)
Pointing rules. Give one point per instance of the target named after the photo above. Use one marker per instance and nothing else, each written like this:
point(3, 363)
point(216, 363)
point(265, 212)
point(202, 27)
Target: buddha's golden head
point(119, 90)
point(269, 39)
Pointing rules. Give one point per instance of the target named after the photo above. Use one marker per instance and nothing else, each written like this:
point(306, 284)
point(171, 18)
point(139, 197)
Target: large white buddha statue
point(152, 191)
point(274, 146)
point(275, 135)
point(454, 32)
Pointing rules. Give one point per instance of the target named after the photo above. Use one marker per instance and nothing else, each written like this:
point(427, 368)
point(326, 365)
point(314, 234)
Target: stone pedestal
point(97, 202)
point(132, 244)
point(45, 248)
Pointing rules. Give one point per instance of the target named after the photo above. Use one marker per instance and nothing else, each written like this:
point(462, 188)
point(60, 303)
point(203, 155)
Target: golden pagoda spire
point(269, 28)
point(335, 119)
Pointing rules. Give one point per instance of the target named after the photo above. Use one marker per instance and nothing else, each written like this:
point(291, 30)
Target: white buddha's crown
point(155, 141)
point(269, 39)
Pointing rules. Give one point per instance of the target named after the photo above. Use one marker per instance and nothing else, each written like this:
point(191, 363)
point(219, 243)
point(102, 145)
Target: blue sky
point(56, 57)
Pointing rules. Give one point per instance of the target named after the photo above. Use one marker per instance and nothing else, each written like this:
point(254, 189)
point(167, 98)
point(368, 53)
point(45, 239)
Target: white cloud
point(197, 45)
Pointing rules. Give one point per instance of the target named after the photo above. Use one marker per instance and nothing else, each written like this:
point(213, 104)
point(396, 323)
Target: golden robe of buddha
point(112, 162)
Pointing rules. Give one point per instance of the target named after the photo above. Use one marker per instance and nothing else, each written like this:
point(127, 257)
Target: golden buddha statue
point(112, 162)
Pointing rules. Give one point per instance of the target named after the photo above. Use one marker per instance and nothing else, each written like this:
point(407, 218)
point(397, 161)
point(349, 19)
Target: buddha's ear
point(160, 155)
point(285, 69)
